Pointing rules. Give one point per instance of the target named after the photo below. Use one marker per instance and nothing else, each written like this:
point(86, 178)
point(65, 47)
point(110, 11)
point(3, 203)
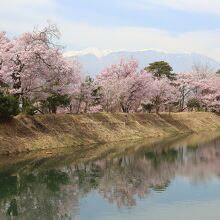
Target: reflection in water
point(30, 190)
point(37, 195)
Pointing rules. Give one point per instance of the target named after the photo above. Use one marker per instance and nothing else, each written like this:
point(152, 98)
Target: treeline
point(35, 78)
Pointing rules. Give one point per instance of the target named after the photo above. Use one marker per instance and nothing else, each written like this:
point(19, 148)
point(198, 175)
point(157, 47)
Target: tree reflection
point(54, 193)
point(38, 195)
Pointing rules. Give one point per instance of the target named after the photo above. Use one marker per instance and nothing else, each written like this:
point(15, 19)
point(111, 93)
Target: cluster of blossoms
point(33, 69)
point(126, 89)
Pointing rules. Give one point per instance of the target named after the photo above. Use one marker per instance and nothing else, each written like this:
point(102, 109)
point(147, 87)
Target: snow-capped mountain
point(94, 60)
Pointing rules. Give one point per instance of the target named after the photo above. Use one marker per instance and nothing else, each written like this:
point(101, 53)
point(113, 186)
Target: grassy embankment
point(23, 134)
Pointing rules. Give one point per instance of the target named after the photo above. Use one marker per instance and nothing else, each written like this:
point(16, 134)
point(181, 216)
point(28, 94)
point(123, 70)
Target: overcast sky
point(166, 25)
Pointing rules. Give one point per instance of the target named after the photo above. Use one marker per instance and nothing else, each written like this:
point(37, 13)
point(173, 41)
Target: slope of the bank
point(25, 133)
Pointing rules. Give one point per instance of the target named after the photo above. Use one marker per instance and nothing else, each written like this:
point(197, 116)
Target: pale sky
point(166, 25)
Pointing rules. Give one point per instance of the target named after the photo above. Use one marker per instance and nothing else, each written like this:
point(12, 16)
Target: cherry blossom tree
point(33, 69)
point(209, 92)
point(5, 46)
point(189, 85)
point(125, 88)
point(185, 84)
point(161, 93)
point(122, 86)
point(33, 65)
point(87, 96)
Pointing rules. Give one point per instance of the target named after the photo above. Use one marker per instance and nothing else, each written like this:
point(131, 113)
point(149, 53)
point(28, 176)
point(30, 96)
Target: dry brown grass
point(25, 133)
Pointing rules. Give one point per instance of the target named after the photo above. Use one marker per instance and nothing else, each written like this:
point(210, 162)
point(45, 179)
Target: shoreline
point(45, 132)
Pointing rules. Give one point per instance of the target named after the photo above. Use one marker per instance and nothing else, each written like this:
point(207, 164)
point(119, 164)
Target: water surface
point(170, 179)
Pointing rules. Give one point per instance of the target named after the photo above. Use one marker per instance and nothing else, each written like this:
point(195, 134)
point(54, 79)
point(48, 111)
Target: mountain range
point(94, 60)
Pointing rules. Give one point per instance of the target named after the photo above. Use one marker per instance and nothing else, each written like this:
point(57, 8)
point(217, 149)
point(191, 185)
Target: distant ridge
point(94, 60)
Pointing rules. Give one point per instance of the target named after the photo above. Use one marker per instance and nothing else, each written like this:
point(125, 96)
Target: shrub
point(147, 107)
point(55, 101)
point(193, 103)
point(28, 108)
point(9, 106)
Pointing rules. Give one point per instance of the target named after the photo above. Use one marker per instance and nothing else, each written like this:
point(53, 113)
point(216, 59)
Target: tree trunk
point(124, 109)
point(169, 111)
point(157, 110)
point(86, 107)
point(79, 105)
point(71, 108)
point(54, 109)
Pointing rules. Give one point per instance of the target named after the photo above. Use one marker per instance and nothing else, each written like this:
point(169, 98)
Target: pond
point(168, 179)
